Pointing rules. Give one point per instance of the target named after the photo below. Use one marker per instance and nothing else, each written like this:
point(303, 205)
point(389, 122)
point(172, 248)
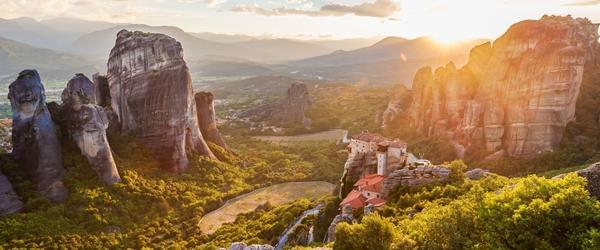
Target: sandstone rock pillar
point(151, 93)
point(206, 118)
point(87, 125)
point(36, 146)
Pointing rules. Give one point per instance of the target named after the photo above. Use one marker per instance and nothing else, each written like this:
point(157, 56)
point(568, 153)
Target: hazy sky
point(444, 19)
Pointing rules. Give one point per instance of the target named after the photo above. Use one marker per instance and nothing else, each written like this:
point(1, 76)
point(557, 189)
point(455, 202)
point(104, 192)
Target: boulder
point(477, 173)
point(35, 145)
point(243, 246)
point(87, 124)
point(151, 93)
point(592, 175)
point(206, 118)
point(9, 201)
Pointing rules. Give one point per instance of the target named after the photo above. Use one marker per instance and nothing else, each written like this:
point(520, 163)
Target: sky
point(309, 19)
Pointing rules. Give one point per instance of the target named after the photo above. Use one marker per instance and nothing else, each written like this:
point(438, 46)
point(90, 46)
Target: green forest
point(152, 208)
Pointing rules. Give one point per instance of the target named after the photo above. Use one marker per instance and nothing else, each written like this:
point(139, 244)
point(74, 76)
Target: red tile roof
point(355, 199)
point(369, 137)
point(372, 188)
point(369, 180)
point(377, 202)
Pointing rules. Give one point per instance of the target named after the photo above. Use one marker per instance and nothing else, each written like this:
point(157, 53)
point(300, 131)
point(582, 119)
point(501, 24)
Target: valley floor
point(275, 195)
point(330, 135)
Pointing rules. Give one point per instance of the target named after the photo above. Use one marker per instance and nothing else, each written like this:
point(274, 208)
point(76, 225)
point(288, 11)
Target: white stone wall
point(359, 146)
point(381, 163)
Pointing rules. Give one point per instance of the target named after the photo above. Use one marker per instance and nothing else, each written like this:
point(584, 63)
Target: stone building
point(389, 154)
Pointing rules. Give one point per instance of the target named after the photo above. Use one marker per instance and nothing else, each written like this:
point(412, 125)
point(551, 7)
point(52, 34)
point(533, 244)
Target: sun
point(449, 38)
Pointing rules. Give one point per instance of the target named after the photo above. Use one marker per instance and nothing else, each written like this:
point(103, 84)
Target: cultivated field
point(276, 195)
point(330, 135)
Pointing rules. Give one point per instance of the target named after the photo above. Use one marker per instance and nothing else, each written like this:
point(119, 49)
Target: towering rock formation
point(291, 111)
point(87, 124)
point(151, 93)
point(514, 97)
point(206, 118)
point(35, 144)
point(9, 201)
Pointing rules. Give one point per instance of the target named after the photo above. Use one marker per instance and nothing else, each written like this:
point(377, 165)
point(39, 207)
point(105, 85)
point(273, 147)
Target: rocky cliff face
point(206, 118)
point(87, 124)
point(35, 145)
point(151, 92)
point(514, 97)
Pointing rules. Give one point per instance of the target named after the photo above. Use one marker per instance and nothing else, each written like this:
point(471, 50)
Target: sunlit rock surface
point(9, 201)
point(206, 118)
point(514, 96)
point(151, 93)
point(87, 124)
point(35, 144)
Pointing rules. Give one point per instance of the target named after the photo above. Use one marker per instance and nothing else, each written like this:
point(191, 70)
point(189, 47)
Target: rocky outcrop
point(592, 175)
point(206, 118)
point(151, 93)
point(291, 111)
point(286, 113)
point(345, 216)
point(243, 246)
point(477, 173)
point(9, 201)
point(35, 145)
point(414, 177)
point(87, 124)
point(515, 95)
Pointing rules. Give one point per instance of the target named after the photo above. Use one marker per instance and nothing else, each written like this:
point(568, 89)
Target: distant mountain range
point(393, 60)
point(52, 65)
point(78, 45)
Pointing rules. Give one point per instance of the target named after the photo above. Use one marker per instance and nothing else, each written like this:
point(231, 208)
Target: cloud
point(210, 3)
point(584, 3)
point(378, 8)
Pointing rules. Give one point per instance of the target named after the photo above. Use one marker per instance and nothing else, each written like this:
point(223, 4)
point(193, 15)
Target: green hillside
point(150, 207)
point(52, 65)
